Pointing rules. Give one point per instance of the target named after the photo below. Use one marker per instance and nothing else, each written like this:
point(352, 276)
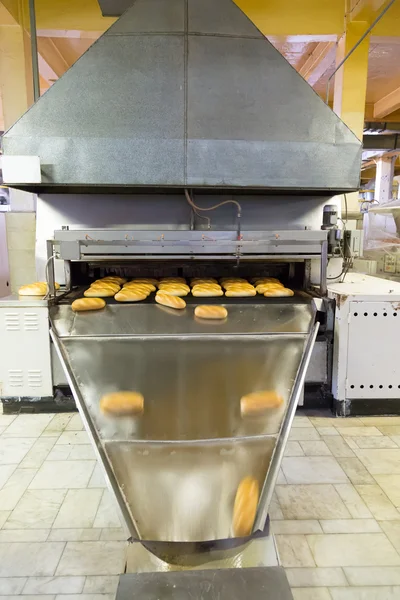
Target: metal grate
point(35, 378)
point(31, 321)
point(15, 377)
point(11, 322)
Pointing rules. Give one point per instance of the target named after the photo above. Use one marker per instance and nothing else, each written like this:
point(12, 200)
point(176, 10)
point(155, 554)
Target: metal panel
point(226, 110)
point(373, 364)
point(152, 16)
point(227, 19)
point(114, 8)
point(233, 584)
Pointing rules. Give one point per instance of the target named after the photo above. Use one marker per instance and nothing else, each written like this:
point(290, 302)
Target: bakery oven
point(181, 145)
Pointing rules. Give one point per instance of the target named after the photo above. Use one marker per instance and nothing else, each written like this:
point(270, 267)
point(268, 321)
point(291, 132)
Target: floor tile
point(317, 577)
point(377, 502)
point(28, 426)
point(29, 559)
point(294, 551)
point(6, 420)
point(36, 509)
point(391, 486)
point(395, 439)
point(72, 452)
point(63, 474)
point(78, 509)
point(75, 424)
point(303, 433)
point(389, 429)
point(92, 558)
point(12, 585)
point(374, 442)
point(350, 526)
point(99, 584)
point(313, 469)
point(97, 479)
point(54, 585)
point(85, 597)
point(58, 424)
point(281, 478)
point(293, 449)
point(359, 431)
point(378, 421)
point(362, 593)
point(15, 487)
point(24, 535)
point(336, 422)
point(353, 550)
point(118, 534)
point(32, 597)
point(355, 470)
point(38, 453)
point(295, 527)
point(275, 511)
point(301, 422)
point(327, 431)
point(354, 503)
point(311, 594)
point(318, 448)
point(311, 502)
point(338, 446)
point(4, 514)
point(12, 451)
point(392, 530)
point(372, 575)
point(107, 514)
point(74, 535)
point(73, 437)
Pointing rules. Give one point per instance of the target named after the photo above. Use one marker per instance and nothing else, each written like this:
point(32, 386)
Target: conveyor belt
point(175, 470)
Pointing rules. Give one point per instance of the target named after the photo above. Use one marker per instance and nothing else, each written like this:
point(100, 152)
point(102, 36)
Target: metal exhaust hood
point(185, 93)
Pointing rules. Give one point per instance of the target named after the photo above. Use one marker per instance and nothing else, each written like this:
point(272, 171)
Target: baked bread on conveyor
point(99, 292)
point(245, 507)
point(131, 295)
point(82, 304)
point(168, 300)
point(122, 404)
point(278, 292)
point(39, 288)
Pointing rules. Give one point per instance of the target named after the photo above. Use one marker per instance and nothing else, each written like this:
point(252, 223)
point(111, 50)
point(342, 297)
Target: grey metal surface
point(254, 318)
point(114, 8)
point(260, 552)
point(148, 109)
point(225, 584)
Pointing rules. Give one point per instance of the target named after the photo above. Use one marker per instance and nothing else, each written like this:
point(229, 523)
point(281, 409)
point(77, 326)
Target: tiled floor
point(335, 514)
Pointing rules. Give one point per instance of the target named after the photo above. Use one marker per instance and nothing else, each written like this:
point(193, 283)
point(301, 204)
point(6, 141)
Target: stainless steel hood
point(185, 93)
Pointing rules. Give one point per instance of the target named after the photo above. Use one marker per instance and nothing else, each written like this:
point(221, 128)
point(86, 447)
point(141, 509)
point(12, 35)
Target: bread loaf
point(184, 286)
point(278, 293)
point(201, 291)
point(211, 286)
point(106, 285)
point(210, 312)
point(172, 280)
point(264, 287)
point(99, 292)
point(240, 293)
point(130, 295)
point(33, 289)
point(82, 304)
point(120, 280)
point(198, 280)
point(168, 300)
point(258, 403)
point(148, 287)
point(245, 507)
point(151, 280)
point(122, 404)
point(257, 280)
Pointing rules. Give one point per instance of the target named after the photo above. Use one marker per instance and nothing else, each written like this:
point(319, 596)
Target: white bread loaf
point(168, 300)
point(278, 293)
point(258, 403)
point(200, 291)
point(82, 304)
point(130, 295)
point(106, 285)
point(33, 289)
point(245, 507)
point(240, 293)
point(122, 404)
point(147, 287)
point(99, 292)
point(205, 311)
point(265, 287)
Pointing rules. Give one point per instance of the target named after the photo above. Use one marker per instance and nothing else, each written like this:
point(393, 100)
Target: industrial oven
point(181, 143)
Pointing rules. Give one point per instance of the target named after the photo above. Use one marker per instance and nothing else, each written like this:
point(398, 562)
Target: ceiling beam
point(365, 10)
point(387, 104)
point(52, 55)
point(318, 62)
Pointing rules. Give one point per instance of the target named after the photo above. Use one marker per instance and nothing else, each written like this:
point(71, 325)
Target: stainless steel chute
point(175, 470)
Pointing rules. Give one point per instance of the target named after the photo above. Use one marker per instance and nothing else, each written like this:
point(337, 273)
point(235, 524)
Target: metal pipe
point(34, 51)
point(362, 38)
point(324, 267)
